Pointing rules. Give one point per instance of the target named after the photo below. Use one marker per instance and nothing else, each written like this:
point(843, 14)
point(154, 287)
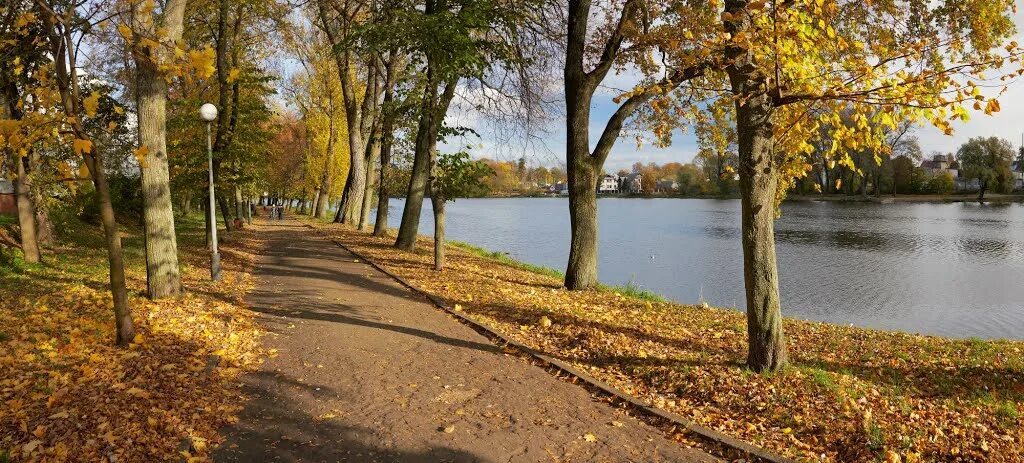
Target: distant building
point(666, 186)
point(559, 188)
point(632, 184)
point(1018, 173)
point(609, 185)
point(939, 164)
point(8, 204)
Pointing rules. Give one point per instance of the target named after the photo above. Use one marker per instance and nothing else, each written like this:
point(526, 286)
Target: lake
point(948, 269)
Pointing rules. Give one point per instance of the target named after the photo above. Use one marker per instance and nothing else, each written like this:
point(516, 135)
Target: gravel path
point(366, 370)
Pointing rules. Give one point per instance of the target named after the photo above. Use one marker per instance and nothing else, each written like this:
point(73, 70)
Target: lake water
point(947, 269)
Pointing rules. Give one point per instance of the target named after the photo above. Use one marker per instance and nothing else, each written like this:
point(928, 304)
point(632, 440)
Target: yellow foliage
point(81, 146)
point(204, 61)
point(91, 104)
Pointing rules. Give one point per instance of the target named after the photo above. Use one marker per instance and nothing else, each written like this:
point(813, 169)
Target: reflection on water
point(949, 269)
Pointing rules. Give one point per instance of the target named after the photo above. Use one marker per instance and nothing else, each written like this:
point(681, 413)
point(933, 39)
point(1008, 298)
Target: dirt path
point(367, 370)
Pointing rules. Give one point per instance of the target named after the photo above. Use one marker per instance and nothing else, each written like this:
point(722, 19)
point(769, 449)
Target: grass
point(631, 289)
point(635, 291)
point(505, 259)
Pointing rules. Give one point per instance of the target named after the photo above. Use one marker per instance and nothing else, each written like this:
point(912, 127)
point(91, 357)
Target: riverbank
point(889, 199)
point(68, 394)
point(851, 394)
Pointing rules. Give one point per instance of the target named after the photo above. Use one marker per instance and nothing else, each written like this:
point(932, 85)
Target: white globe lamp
point(208, 112)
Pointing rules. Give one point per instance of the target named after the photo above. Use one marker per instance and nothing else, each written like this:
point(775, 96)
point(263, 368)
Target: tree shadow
point(926, 380)
point(274, 426)
point(272, 303)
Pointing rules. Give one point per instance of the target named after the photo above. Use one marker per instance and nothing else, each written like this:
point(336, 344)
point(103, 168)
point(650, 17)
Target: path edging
point(679, 420)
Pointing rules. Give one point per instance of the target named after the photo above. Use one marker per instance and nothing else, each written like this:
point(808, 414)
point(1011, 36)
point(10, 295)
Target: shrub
point(942, 184)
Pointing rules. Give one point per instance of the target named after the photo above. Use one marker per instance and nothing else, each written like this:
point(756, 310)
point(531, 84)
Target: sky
point(548, 148)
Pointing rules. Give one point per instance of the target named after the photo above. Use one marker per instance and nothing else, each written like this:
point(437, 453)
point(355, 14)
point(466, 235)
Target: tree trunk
point(45, 233)
point(432, 112)
point(581, 271)
point(339, 215)
point(239, 204)
point(380, 227)
point(437, 202)
point(357, 181)
point(758, 186)
point(163, 277)
point(26, 210)
point(225, 212)
point(373, 153)
point(326, 181)
point(388, 114)
point(122, 313)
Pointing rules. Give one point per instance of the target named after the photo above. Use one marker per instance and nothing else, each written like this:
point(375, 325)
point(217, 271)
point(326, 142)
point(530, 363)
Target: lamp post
point(209, 114)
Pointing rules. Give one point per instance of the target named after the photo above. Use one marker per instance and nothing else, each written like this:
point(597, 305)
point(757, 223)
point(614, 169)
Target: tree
point(153, 37)
point(455, 41)
point(692, 180)
point(454, 176)
point(988, 161)
point(716, 140)
point(792, 67)
point(63, 35)
point(903, 174)
point(632, 34)
point(942, 184)
point(21, 59)
point(339, 20)
point(317, 92)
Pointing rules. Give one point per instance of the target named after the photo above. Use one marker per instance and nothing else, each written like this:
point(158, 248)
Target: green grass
point(1007, 412)
point(505, 259)
point(8, 219)
point(632, 289)
point(822, 378)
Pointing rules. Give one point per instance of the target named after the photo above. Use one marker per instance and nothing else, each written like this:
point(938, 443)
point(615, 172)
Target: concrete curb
point(705, 433)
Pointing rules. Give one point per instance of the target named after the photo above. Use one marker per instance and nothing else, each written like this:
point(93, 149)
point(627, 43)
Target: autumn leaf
point(140, 155)
point(233, 75)
point(91, 104)
point(125, 31)
point(81, 146)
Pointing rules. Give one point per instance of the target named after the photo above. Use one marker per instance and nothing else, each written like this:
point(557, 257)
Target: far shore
point(916, 198)
point(884, 199)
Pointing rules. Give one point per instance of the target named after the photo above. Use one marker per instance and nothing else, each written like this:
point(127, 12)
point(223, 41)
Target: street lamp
point(209, 114)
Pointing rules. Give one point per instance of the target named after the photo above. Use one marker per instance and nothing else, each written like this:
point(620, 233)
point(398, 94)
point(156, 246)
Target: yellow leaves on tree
point(204, 61)
point(81, 146)
point(91, 104)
